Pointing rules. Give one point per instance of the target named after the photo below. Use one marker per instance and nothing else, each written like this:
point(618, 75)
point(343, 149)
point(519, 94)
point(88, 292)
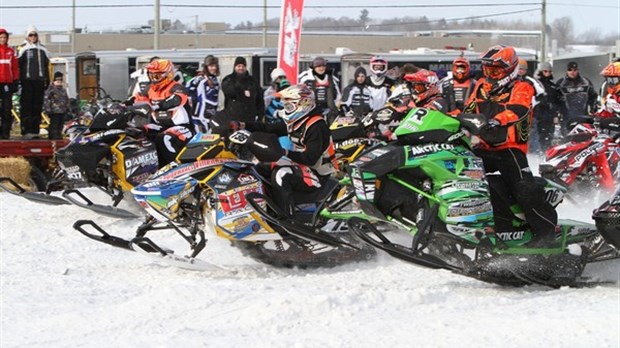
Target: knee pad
point(529, 190)
point(281, 175)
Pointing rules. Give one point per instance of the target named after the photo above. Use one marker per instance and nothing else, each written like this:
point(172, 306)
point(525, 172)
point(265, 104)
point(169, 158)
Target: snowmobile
point(588, 159)
point(212, 196)
point(447, 214)
point(425, 199)
point(113, 156)
point(352, 134)
point(607, 219)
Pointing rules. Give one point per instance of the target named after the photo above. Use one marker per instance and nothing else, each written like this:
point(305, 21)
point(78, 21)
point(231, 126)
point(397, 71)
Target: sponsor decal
point(516, 235)
point(224, 178)
point(580, 157)
point(246, 179)
point(429, 148)
point(141, 160)
point(466, 210)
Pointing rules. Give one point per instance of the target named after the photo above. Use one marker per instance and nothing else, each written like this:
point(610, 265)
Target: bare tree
point(563, 30)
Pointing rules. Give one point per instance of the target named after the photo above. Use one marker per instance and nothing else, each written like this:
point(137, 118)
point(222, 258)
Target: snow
point(61, 289)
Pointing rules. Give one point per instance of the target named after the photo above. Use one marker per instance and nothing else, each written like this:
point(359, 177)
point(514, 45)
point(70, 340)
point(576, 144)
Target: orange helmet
point(611, 73)
point(460, 69)
point(499, 62)
point(424, 84)
point(160, 72)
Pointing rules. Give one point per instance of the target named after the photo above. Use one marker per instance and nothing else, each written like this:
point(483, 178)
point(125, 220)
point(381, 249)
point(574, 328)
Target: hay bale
point(16, 168)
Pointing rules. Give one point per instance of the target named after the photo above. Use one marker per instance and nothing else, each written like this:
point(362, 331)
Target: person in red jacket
point(507, 103)
point(9, 79)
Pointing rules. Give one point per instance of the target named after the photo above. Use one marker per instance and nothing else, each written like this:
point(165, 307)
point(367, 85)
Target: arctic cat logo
point(424, 149)
point(510, 235)
point(142, 160)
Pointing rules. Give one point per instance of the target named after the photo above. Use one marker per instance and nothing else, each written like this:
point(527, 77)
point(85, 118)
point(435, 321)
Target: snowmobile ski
point(107, 210)
point(408, 254)
point(293, 227)
point(146, 247)
point(102, 235)
point(39, 197)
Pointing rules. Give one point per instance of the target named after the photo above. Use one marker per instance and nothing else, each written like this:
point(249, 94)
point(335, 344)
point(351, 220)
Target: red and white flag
point(290, 35)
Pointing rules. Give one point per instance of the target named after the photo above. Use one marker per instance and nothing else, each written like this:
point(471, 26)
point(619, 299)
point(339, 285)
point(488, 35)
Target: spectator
point(243, 96)
point(545, 113)
point(577, 94)
point(358, 96)
point(9, 80)
point(204, 90)
point(379, 83)
point(326, 88)
point(273, 104)
point(56, 105)
point(34, 77)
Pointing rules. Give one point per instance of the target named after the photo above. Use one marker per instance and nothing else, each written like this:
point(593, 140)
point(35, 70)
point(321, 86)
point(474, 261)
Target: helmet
point(277, 72)
point(297, 102)
point(400, 95)
point(611, 73)
point(378, 65)
point(500, 62)
point(424, 84)
point(460, 69)
point(160, 72)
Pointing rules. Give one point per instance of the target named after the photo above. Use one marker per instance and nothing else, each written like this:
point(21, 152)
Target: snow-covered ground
point(60, 289)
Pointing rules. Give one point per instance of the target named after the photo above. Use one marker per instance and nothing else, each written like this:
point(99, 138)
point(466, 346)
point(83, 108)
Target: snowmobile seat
point(314, 197)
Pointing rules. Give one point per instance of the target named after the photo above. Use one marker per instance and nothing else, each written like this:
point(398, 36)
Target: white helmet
point(297, 102)
point(277, 72)
point(378, 66)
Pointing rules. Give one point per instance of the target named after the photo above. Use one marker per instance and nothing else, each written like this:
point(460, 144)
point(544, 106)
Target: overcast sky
point(603, 15)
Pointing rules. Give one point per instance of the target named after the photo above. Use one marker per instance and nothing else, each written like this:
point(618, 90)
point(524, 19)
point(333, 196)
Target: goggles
point(419, 87)
point(460, 68)
point(612, 81)
point(156, 76)
point(494, 72)
point(288, 106)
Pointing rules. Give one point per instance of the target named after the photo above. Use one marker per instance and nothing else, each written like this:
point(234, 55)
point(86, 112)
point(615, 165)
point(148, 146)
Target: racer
point(507, 102)
point(457, 88)
point(610, 104)
point(425, 90)
point(167, 106)
point(311, 162)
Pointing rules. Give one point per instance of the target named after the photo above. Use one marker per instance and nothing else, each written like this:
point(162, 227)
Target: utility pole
point(156, 26)
point(264, 23)
point(543, 36)
point(73, 28)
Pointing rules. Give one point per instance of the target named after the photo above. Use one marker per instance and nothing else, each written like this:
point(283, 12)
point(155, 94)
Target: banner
point(288, 40)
